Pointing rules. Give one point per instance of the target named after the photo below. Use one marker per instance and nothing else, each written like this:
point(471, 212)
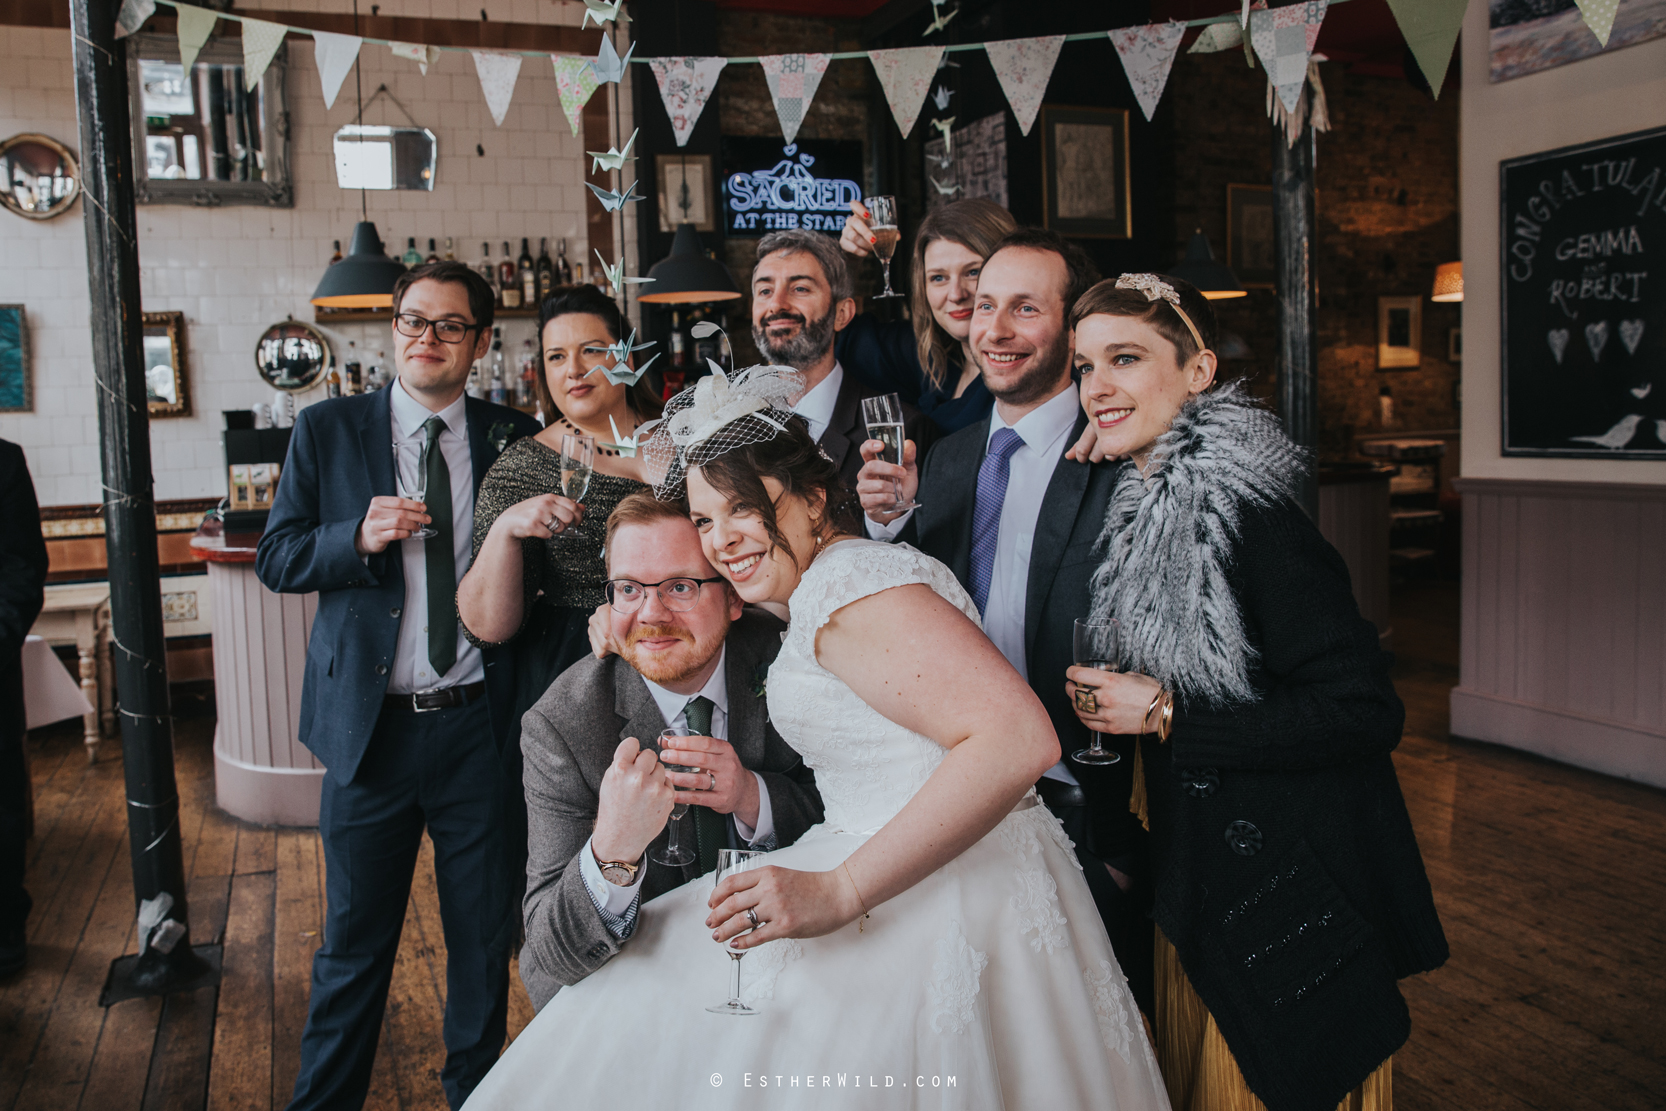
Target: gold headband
point(1155, 289)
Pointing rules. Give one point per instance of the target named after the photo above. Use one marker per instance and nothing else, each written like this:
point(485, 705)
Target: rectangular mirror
point(164, 345)
point(381, 157)
point(200, 137)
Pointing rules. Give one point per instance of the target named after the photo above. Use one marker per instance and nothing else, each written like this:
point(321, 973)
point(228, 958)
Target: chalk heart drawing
point(1631, 334)
point(1640, 392)
point(1596, 338)
point(1558, 339)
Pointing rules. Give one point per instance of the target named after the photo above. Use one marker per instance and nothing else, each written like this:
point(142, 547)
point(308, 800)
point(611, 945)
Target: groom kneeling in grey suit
point(690, 658)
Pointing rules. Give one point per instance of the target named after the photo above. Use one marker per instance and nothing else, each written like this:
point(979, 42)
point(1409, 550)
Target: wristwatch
point(617, 872)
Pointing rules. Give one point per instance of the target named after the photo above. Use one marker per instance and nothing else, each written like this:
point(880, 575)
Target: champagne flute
point(410, 476)
point(1095, 644)
point(675, 854)
point(883, 416)
point(578, 459)
point(730, 861)
point(882, 221)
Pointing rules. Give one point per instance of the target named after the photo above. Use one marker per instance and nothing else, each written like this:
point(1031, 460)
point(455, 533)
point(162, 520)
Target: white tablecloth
point(50, 693)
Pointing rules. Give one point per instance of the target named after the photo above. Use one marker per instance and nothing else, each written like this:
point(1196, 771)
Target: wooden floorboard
point(1550, 882)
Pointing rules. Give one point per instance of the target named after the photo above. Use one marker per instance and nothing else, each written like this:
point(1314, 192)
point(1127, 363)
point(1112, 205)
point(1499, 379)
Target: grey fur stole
point(1169, 537)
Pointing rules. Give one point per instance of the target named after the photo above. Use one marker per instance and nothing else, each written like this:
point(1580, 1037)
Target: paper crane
point(607, 65)
point(627, 445)
point(946, 127)
point(613, 201)
point(940, 97)
point(940, 21)
point(616, 274)
point(620, 372)
point(603, 12)
point(612, 159)
point(947, 190)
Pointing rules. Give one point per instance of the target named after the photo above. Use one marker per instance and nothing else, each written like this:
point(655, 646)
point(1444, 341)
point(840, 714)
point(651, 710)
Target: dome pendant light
point(1214, 279)
point(688, 276)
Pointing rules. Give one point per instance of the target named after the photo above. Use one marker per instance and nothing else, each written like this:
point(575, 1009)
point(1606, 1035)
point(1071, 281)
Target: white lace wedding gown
point(989, 984)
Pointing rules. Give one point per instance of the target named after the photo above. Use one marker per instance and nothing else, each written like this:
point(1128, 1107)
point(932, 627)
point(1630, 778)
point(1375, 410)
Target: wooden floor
point(1551, 884)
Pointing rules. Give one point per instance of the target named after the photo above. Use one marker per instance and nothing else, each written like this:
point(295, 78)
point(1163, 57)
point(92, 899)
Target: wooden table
point(79, 614)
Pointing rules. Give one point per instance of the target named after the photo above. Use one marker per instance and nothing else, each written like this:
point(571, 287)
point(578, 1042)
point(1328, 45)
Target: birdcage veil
point(718, 414)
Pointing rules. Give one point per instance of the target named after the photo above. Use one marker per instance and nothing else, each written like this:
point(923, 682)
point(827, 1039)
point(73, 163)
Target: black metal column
point(1294, 243)
point(101, 95)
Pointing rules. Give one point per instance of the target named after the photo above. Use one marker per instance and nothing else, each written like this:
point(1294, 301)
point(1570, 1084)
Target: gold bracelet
point(1145, 717)
point(1165, 723)
point(860, 922)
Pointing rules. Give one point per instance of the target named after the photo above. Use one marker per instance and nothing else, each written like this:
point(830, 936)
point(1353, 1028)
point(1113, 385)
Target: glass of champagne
point(730, 861)
point(882, 221)
point(675, 854)
point(1095, 644)
point(883, 416)
point(578, 458)
point(410, 477)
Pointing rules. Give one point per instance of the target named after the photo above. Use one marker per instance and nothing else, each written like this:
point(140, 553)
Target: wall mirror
point(293, 356)
point(40, 175)
point(200, 137)
point(381, 157)
point(164, 343)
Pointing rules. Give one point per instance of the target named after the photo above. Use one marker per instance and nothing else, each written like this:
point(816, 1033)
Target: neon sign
point(788, 194)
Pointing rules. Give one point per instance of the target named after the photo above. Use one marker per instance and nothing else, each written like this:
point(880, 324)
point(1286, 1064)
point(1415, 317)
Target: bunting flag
point(334, 55)
point(1283, 38)
point(574, 81)
point(260, 42)
point(906, 75)
point(793, 79)
point(1023, 67)
point(1217, 37)
point(195, 25)
point(1431, 30)
point(1599, 17)
point(685, 84)
point(1147, 55)
point(133, 15)
point(497, 74)
point(423, 56)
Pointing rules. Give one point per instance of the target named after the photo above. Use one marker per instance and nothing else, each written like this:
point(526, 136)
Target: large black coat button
point(394, 612)
point(1244, 838)
point(1200, 783)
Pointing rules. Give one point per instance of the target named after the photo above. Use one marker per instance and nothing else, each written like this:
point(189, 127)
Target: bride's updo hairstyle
point(791, 458)
point(1110, 299)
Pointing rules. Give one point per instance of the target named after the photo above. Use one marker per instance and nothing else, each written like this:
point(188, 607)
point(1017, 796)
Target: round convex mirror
point(39, 176)
point(293, 356)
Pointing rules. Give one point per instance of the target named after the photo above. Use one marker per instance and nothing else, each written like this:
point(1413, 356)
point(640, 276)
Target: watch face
point(617, 874)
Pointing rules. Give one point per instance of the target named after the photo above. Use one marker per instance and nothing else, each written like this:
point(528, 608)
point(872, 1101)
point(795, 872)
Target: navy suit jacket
point(340, 456)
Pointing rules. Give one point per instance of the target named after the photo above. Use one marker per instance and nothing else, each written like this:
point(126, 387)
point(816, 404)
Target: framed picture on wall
point(1249, 234)
point(17, 387)
point(685, 191)
point(1084, 167)
point(1399, 332)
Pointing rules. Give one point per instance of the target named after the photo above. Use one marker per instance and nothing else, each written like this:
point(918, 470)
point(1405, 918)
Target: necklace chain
point(603, 449)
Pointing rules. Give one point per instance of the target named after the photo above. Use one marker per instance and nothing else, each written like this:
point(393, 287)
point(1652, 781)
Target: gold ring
point(1087, 700)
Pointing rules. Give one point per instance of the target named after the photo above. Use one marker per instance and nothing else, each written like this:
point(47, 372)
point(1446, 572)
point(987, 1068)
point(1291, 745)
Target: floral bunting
point(793, 79)
point(1431, 31)
point(260, 42)
point(1023, 67)
point(334, 55)
point(1283, 38)
point(906, 75)
point(1147, 55)
point(497, 73)
point(685, 84)
point(575, 81)
point(195, 25)
point(1217, 37)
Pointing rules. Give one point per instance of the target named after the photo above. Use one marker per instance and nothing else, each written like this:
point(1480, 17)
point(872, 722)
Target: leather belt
point(1058, 794)
point(424, 702)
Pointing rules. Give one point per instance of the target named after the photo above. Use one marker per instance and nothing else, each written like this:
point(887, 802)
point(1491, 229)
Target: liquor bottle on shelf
point(474, 388)
point(562, 265)
point(528, 274)
point(413, 257)
point(578, 273)
point(508, 282)
point(523, 379)
point(352, 380)
point(335, 258)
point(485, 268)
point(376, 375)
point(332, 384)
point(433, 255)
point(450, 255)
point(546, 271)
point(498, 395)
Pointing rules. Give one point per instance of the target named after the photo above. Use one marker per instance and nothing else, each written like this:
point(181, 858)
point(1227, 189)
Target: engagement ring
point(752, 917)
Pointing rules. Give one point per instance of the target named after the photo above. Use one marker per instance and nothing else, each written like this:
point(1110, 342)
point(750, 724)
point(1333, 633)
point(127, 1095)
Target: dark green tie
point(711, 832)
point(441, 556)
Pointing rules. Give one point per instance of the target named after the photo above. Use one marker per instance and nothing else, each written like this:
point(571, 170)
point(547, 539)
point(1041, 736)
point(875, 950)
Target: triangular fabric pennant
point(575, 81)
point(1430, 28)
point(334, 55)
point(423, 56)
point(685, 84)
point(793, 79)
point(1217, 37)
point(906, 75)
point(497, 79)
point(1283, 38)
point(1023, 67)
point(133, 15)
point(260, 42)
point(195, 25)
point(1147, 54)
point(1599, 17)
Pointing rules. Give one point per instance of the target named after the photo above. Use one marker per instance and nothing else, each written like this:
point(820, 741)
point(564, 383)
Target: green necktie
point(441, 556)
point(711, 832)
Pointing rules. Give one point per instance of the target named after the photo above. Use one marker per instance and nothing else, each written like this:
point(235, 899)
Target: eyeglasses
point(447, 331)
point(676, 595)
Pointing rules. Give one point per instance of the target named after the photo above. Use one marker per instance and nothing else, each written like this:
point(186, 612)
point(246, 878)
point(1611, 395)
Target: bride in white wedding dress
point(933, 938)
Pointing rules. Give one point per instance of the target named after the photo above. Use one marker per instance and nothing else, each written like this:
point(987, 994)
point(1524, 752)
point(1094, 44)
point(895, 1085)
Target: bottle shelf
point(370, 316)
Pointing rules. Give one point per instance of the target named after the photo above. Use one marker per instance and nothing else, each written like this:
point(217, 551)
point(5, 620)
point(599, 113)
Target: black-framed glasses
point(448, 331)
point(676, 595)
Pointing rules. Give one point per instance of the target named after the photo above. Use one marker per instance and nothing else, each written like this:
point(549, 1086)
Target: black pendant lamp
point(1214, 279)
point(362, 280)
point(689, 276)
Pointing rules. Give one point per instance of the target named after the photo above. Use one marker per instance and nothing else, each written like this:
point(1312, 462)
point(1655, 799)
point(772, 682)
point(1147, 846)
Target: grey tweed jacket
point(568, 738)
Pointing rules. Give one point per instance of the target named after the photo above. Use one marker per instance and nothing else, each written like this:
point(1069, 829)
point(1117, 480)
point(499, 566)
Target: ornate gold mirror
point(164, 341)
point(40, 176)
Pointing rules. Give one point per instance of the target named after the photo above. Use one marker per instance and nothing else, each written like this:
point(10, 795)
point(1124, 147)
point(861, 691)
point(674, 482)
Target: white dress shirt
point(616, 900)
point(411, 670)
point(816, 406)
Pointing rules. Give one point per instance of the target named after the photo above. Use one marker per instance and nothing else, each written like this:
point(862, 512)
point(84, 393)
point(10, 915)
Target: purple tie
point(986, 510)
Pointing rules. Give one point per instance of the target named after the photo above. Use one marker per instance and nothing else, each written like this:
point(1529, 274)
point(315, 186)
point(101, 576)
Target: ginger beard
point(670, 663)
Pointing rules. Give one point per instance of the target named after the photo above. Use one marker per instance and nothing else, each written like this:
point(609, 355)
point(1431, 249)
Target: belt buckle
point(418, 708)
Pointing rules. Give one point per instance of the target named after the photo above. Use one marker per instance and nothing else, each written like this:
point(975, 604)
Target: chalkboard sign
point(1584, 300)
point(768, 186)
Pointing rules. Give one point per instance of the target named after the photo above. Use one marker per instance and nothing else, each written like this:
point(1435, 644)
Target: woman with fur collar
point(1290, 894)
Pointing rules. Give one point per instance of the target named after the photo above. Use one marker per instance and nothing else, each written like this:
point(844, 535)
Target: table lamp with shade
point(1214, 279)
point(1449, 282)
point(688, 276)
point(362, 280)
